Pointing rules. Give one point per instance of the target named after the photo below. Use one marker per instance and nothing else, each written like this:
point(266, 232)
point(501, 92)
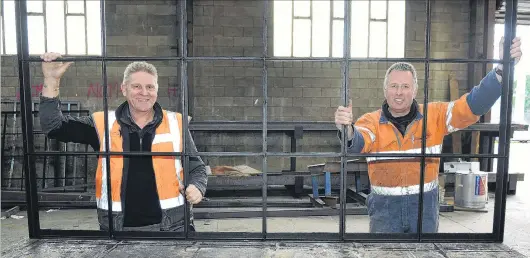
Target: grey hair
point(139, 67)
point(402, 66)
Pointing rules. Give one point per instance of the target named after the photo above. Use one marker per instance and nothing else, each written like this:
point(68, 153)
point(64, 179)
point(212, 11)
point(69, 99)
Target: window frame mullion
point(3, 27)
point(45, 25)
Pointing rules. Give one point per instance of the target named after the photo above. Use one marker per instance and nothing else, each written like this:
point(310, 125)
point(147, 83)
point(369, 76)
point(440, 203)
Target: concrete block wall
point(306, 91)
point(231, 90)
point(311, 91)
point(134, 28)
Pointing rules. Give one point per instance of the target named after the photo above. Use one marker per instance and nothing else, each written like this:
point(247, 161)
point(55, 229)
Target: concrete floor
point(517, 233)
point(96, 249)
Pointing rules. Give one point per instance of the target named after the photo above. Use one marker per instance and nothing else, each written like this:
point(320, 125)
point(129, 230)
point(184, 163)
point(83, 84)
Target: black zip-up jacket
point(138, 181)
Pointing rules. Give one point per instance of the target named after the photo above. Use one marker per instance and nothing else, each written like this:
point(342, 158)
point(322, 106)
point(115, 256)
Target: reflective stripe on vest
point(167, 169)
point(401, 175)
point(404, 190)
point(436, 149)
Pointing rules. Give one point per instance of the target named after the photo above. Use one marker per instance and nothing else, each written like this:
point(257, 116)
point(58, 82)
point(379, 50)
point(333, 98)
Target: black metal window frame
point(332, 18)
point(43, 15)
point(67, 14)
point(496, 235)
point(3, 27)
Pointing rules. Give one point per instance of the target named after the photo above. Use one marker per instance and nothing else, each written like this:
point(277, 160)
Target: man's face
point(141, 91)
point(400, 92)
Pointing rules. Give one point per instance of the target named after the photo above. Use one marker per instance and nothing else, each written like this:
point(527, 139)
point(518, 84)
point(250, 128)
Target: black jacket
point(138, 171)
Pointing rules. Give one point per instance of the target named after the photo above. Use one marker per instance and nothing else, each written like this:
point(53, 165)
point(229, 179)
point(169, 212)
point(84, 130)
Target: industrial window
point(69, 27)
point(312, 28)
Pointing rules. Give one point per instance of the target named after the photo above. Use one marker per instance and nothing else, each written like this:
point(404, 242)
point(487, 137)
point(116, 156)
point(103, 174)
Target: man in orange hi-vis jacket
point(393, 201)
point(147, 193)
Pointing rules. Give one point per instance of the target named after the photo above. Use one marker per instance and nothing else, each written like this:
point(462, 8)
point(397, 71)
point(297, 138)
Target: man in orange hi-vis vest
point(393, 201)
point(147, 193)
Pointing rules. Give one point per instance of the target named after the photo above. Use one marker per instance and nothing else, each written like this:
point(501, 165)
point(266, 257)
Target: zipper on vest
point(407, 131)
point(397, 134)
point(408, 127)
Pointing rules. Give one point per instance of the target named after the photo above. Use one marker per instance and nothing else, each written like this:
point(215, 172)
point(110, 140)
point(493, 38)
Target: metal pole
point(75, 150)
point(345, 87)
point(264, 118)
point(499, 215)
point(106, 115)
point(485, 35)
point(183, 97)
point(472, 35)
point(85, 182)
point(65, 164)
point(485, 164)
point(270, 59)
point(44, 163)
point(4, 132)
point(13, 147)
point(271, 154)
point(425, 105)
point(27, 123)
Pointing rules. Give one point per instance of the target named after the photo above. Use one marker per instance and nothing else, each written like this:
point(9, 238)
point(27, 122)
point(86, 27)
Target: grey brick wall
point(311, 91)
point(134, 28)
point(308, 91)
point(231, 90)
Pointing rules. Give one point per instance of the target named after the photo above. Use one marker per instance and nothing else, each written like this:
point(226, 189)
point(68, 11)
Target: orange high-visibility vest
point(168, 169)
point(400, 175)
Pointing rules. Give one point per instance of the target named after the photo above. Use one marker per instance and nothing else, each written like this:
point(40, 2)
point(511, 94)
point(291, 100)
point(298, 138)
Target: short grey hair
point(139, 66)
point(402, 66)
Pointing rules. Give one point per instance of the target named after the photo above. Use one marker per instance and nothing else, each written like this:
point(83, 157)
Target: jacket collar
point(383, 119)
point(124, 114)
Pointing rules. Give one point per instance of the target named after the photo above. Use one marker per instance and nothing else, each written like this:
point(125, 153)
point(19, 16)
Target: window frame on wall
point(67, 36)
point(288, 13)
